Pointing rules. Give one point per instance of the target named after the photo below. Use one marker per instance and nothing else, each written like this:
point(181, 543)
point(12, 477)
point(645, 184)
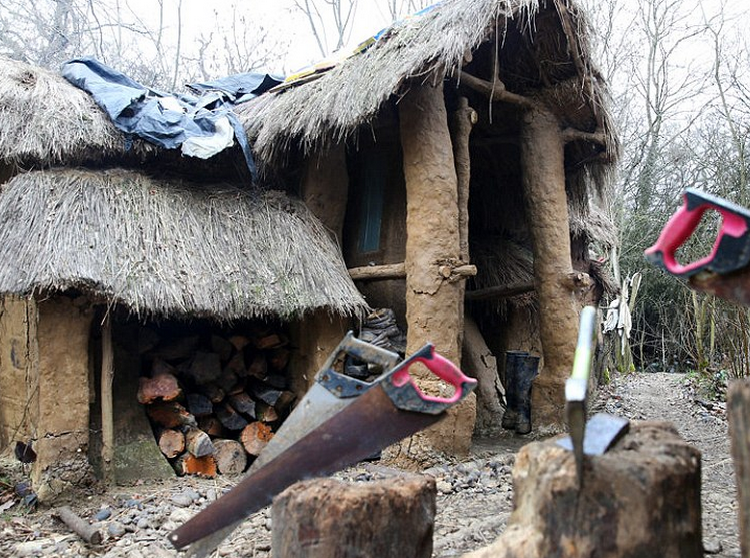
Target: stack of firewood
point(214, 400)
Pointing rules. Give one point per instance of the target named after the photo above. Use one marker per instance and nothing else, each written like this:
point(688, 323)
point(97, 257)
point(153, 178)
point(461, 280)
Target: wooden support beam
point(378, 272)
point(738, 413)
point(107, 377)
point(500, 291)
point(496, 91)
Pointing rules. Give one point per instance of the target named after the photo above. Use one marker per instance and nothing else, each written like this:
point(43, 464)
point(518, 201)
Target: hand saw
point(388, 409)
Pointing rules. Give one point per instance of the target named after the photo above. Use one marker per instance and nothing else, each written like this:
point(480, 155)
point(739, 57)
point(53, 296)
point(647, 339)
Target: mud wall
point(19, 362)
point(64, 394)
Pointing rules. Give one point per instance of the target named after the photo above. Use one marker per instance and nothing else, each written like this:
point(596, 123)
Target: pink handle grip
point(682, 224)
point(441, 367)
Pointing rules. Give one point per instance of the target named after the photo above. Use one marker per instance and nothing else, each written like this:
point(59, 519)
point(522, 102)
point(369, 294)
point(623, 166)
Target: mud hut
point(474, 134)
point(107, 246)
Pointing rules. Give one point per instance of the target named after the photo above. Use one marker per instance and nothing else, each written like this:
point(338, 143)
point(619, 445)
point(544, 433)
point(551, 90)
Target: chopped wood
point(171, 442)
point(79, 526)
point(239, 341)
point(227, 381)
point(278, 381)
point(239, 387)
point(255, 436)
point(270, 341)
point(229, 417)
point(179, 349)
point(231, 458)
point(213, 392)
point(279, 358)
point(265, 393)
point(198, 443)
point(187, 464)
point(211, 426)
point(243, 403)
point(221, 347)
point(147, 340)
point(265, 413)
point(237, 365)
point(284, 401)
point(258, 367)
point(205, 368)
point(199, 405)
point(159, 366)
point(169, 414)
point(163, 386)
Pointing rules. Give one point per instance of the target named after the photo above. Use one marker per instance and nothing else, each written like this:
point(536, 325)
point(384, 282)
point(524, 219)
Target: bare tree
point(336, 16)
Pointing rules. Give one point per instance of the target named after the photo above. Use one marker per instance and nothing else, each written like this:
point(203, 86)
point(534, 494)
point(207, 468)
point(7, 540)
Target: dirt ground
point(474, 495)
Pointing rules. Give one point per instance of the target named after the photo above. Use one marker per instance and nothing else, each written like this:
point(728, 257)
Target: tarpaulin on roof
point(201, 126)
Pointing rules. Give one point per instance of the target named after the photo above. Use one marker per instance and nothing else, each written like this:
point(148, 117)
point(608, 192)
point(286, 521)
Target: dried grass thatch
point(329, 109)
point(44, 120)
point(169, 249)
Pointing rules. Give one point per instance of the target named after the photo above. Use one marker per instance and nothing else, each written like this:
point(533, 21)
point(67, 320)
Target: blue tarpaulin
point(202, 126)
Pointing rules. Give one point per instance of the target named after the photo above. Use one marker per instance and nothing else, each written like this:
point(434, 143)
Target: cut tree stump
point(738, 413)
point(325, 518)
point(230, 457)
point(255, 436)
point(640, 499)
point(171, 442)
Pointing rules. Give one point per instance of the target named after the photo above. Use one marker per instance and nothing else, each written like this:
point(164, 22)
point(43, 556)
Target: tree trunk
point(331, 519)
point(542, 158)
point(640, 499)
point(434, 304)
point(108, 421)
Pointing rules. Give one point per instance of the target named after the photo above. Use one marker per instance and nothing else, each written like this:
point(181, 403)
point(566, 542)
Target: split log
point(271, 341)
point(187, 464)
point(239, 341)
point(221, 347)
point(265, 413)
point(213, 392)
point(163, 386)
point(230, 457)
point(325, 518)
point(646, 490)
point(285, 401)
point(276, 381)
point(169, 414)
point(279, 358)
point(198, 443)
point(243, 404)
point(159, 366)
point(199, 405)
point(237, 365)
point(255, 436)
point(738, 413)
point(227, 381)
point(205, 368)
point(79, 526)
point(211, 426)
point(258, 367)
point(265, 393)
point(230, 418)
point(171, 442)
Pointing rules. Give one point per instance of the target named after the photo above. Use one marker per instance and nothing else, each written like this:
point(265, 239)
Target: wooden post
point(107, 377)
point(331, 519)
point(542, 158)
point(434, 304)
point(738, 413)
point(642, 498)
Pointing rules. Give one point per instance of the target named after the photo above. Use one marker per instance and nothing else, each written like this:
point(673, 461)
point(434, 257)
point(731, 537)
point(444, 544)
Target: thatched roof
point(44, 120)
point(543, 51)
point(169, 249)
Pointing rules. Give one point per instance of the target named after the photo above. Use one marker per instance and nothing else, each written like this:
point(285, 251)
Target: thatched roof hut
point(167, 248)
point(44, 120)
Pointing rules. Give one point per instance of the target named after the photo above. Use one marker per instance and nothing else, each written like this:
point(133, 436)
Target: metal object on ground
point(391, 408)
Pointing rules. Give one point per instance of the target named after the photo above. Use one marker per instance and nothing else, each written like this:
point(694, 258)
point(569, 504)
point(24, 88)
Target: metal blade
point(576, 415)
point(368, 424)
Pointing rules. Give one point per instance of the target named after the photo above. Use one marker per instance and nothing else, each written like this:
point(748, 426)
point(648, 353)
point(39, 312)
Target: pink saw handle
point(730, 249)
point(407, 395)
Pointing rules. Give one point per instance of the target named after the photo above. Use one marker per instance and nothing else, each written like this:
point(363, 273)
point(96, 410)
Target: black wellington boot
point(526, 371)
point(510, 416)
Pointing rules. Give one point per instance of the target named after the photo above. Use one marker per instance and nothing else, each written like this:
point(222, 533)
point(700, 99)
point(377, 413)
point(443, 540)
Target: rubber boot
point(526, 370)
point(510, 417)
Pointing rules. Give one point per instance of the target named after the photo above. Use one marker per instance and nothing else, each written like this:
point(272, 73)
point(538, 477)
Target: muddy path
point(474, 497)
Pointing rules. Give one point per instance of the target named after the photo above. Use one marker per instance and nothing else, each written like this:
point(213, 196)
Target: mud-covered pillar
point(325, 187)
point(542, 159)
point(434, 305)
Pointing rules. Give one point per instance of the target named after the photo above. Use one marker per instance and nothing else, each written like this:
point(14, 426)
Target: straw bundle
point(169, 248)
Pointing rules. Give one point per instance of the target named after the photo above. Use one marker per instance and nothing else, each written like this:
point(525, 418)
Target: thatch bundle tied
point(169, 248)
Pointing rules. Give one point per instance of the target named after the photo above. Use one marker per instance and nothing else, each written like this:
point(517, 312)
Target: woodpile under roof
point(169, 248)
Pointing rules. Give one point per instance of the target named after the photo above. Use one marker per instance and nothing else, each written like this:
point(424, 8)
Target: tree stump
point(325, 518)
point(738, 412)
point(640, 499)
